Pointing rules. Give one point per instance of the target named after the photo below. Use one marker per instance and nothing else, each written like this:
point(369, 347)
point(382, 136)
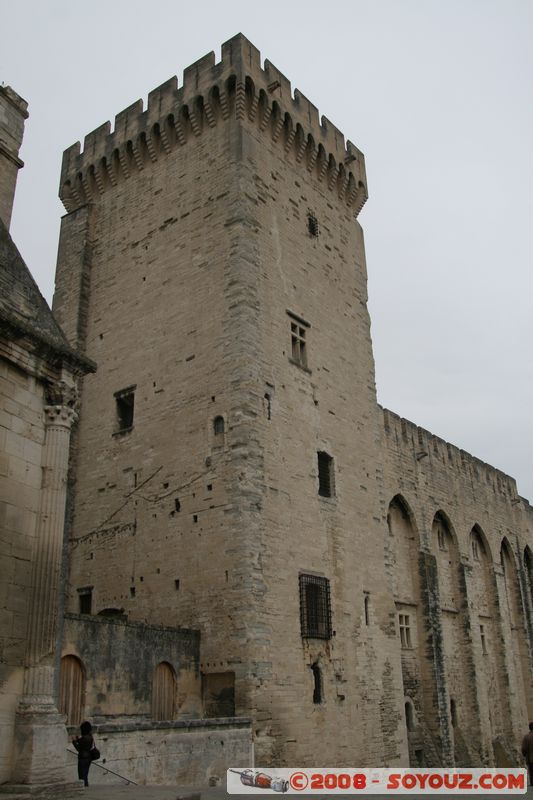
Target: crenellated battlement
point(424, 445)
point(238, 86)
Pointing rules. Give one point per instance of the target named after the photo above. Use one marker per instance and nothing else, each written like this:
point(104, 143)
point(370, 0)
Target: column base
point(40, 748)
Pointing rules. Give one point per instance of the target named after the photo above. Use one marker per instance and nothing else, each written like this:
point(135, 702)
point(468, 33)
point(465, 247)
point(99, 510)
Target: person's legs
point(83, 771)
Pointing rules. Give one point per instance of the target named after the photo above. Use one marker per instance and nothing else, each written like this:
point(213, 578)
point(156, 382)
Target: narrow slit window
point(218, 426)
point(326, 481)
point(317, 684)
point(483, 639)
point(475, 549)
point(367, 609)
point(409, 716)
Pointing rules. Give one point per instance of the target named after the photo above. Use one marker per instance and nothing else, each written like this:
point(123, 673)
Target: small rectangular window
point(326, 477)
point(315, 608)
point(405, 631)
point(125, 403)
point(298, 340)
point(86, 599)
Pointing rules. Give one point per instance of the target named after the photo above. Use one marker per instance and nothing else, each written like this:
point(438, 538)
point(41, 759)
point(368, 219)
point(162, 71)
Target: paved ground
point(219, 793)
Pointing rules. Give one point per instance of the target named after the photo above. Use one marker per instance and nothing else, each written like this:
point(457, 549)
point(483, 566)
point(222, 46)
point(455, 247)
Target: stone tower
point(13, 114)
point(227, 470)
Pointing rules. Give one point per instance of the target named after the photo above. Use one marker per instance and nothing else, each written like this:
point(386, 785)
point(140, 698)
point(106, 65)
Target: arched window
point(218, 426)
point(163, 692)
point(72, 689)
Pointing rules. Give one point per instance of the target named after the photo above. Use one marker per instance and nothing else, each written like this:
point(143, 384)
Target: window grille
point(312, 225)
point(315, 607)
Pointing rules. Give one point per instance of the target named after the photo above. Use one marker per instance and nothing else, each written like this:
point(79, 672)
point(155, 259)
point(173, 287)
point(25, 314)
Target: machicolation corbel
point(210, 95)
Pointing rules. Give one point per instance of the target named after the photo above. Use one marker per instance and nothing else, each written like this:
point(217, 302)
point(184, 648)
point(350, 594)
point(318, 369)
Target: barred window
point(315, 608)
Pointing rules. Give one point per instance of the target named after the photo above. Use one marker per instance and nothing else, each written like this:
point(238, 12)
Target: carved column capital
point(61, 402)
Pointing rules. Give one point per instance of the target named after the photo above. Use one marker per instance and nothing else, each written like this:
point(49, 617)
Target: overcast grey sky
point(438, 94)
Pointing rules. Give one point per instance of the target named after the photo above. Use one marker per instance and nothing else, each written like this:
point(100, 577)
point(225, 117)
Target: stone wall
point(21, 442)
point(465, 519)
point(119, 659)
point(193, 753)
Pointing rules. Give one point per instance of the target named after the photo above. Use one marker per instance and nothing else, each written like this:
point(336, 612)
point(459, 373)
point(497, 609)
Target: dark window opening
point(317, 687)
point(218, 426)
point(218, 694)
point(86, 600)
point(483, 640)
point(409, 716)
point(177, 583)
point(367, 609)
point(177, 504)
point(326, 484)
point(125, 402)
point(315, 607)
point(132, 591)
point(268, 405)
point(312, 225)
point(453, 712)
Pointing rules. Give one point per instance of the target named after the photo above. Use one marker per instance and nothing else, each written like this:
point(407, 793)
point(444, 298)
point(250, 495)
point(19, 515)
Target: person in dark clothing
point(84, 745)
point(527, 751)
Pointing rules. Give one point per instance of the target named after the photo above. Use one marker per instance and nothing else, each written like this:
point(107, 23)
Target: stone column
point(40, 733)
